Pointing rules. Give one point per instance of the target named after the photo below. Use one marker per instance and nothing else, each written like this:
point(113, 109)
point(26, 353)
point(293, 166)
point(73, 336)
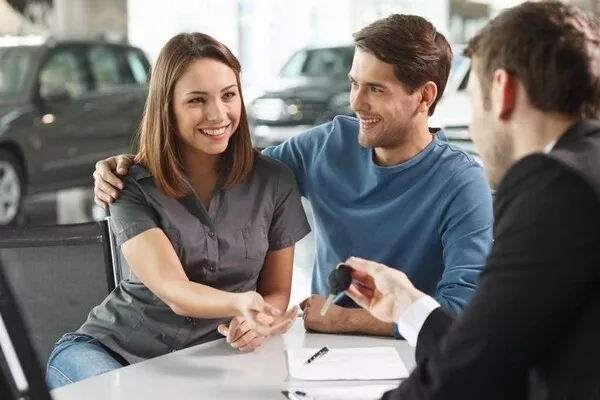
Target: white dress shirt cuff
point(414, 317)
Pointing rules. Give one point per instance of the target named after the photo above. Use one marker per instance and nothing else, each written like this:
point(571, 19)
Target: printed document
point(362, 363)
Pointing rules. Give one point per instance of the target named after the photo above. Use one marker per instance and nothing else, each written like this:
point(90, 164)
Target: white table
point(214, 370)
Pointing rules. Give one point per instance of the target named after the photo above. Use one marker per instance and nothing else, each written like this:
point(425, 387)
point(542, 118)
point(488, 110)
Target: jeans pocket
point(67, 340)
point(75, 337)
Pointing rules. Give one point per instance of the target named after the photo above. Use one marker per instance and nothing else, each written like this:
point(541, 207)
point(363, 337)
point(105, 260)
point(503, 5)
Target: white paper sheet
point(362, 363)
point(372, 392)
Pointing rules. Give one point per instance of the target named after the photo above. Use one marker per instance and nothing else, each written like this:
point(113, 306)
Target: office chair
point(58, 274)
point(21, 374)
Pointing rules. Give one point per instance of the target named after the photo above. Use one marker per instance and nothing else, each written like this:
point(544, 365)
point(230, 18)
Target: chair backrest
point(21, 374)
point(120, 267)
point(58, 274)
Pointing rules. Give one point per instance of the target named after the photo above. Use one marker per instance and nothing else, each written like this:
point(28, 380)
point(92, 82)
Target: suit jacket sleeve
point(435, 327)
point(542, 269)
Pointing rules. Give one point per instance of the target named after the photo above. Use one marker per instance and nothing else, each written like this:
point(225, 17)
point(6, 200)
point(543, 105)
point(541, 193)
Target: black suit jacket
point(532, 329)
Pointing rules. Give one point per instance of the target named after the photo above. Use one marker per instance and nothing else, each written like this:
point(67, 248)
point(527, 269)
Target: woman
point(205, 223)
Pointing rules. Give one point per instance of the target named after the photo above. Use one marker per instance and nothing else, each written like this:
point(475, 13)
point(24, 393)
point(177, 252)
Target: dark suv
point(311, 88)
point(63, 106)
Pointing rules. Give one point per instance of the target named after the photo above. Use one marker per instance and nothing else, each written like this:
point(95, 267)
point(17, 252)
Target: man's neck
point(538, 132)
point(413, 145)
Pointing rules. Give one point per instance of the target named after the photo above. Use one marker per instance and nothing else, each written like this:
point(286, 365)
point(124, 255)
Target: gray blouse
point(223, 247)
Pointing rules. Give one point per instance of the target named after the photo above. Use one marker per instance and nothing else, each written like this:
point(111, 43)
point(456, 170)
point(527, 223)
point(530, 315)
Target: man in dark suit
point(532, 330)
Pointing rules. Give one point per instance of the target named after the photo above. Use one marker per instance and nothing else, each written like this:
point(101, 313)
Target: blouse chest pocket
point(256, 242)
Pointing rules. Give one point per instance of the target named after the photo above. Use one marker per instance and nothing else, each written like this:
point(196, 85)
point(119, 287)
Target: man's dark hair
point(552, 48)
point(418, 52)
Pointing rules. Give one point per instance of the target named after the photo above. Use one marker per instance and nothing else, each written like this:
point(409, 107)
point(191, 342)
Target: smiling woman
point(202, 79)
point(206, 225)
point(206, 119)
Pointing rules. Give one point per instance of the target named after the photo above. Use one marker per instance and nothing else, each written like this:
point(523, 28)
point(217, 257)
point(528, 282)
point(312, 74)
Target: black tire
point(9, 162)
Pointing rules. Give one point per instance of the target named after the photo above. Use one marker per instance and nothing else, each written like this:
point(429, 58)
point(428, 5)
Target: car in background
point(310, 89)
point(453, 111)
point(64, 104)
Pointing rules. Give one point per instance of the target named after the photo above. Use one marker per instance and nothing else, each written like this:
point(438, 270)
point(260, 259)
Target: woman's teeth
point(213, 132)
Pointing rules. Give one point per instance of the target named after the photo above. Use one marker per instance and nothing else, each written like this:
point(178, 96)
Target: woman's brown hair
point(157, 132)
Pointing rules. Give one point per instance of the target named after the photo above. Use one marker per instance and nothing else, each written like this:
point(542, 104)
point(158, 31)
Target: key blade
point(327, 304)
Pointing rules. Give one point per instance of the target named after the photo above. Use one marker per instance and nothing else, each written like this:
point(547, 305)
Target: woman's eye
point(197, 100)
point(228, 95)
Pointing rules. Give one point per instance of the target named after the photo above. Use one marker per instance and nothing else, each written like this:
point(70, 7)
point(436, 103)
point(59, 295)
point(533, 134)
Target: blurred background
point(73, 76)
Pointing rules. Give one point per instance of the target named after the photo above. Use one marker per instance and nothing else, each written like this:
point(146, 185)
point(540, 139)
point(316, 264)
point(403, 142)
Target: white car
point(453, 112)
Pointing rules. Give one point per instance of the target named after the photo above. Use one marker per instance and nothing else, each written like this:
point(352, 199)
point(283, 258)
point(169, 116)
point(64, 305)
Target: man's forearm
point(361, 321)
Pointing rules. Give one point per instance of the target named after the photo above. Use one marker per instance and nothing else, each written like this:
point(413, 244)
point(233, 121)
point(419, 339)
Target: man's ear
point(429, 92)
point(504, 94)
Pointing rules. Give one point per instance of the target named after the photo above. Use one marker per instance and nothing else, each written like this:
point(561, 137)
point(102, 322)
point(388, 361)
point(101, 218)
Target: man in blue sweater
point(383, 186)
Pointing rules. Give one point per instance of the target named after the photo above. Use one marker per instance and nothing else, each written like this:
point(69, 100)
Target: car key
point(340, 280)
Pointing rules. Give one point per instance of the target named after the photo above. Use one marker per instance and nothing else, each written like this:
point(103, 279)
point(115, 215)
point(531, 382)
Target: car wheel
point(11, 188)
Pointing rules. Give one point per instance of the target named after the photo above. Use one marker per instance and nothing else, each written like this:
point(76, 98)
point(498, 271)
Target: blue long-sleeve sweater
point(430, 217)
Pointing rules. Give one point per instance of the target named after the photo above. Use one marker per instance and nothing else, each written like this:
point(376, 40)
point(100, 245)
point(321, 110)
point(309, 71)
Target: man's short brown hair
point(418, 52)
point(552, 48)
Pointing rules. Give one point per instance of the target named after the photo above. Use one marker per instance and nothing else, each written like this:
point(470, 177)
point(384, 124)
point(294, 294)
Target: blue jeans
point(77, 356)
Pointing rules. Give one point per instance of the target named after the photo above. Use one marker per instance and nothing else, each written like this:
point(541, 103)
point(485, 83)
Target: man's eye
point(375, 89)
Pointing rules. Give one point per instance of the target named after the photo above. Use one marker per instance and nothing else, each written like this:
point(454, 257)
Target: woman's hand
point(242, 337)
point(250, 306)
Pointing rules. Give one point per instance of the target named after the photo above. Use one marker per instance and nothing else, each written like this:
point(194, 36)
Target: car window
point(15, 62)
point(137, 66)
point(319, 63)
point(465, 81)
point(293, 67)
point(457, 67)
point(104, 65)
point(61, 72)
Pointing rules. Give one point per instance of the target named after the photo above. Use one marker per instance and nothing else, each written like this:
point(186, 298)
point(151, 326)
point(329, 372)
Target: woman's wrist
point(235, 304)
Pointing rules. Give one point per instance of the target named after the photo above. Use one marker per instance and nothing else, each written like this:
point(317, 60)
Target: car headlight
point(273, 109)
point(340, 103)
point(267, 109)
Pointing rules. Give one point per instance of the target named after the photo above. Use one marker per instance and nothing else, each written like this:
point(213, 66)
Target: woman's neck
point(201, 169)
